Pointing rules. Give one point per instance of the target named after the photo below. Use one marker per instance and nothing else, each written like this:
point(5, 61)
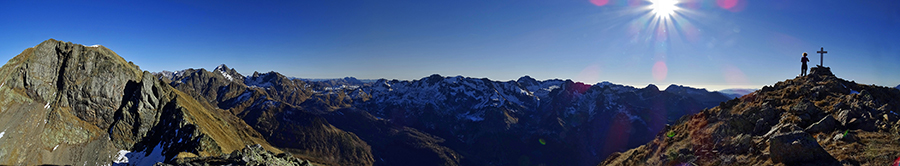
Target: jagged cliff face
point(817, 119)
point(65, 103)
point(445, 120)
point(271, 106)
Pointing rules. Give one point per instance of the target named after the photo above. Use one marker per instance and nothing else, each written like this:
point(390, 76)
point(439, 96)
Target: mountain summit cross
point(821, 55)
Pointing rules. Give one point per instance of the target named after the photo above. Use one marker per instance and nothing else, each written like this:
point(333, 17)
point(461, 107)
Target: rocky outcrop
point(270, 105)
point(797, 147)
point(65, 103)
point(826, 124)
point(817, 119)
point(254, 155)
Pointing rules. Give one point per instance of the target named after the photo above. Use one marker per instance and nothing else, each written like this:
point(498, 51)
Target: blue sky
point(713, 44)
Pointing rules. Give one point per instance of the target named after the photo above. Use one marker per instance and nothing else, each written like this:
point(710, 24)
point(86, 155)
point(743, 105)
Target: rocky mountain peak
point(651, 88)
point(434, 78)
point(820, 71)
point(680, 88)
point(64, 103)
point(59, 74)
point(222, 67)
point(817, 119)
point(527, 81)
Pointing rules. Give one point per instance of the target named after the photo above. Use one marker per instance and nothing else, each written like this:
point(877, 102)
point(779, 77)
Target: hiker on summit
point(803, 69)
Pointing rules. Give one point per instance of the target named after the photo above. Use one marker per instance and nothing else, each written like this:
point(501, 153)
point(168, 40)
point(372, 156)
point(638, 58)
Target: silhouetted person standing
point(803, 69)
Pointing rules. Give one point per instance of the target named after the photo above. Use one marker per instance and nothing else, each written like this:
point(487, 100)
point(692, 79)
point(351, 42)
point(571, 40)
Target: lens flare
point(590, 74)
point(660, 71)
point(726, 4)
point(734, 75)
point(599, 2)
point(664, 8)
point(731, 5)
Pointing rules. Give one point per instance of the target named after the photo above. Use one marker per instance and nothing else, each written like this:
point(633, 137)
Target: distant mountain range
point(551, 121)
point(735, 93)
point(68, 104)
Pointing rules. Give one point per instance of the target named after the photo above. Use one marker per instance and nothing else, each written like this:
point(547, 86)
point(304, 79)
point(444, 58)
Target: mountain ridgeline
point(440, 120)
point(68, 104)
point(65, 103)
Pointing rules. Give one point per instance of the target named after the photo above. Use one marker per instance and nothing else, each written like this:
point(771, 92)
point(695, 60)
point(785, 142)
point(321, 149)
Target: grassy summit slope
point(817, 119)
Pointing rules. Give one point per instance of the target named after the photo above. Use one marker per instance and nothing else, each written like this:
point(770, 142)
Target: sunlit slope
point(817, 119)
point(65, 103)
point(273, 112)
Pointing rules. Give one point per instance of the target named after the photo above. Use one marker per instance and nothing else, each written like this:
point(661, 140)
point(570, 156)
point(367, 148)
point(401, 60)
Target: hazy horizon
point(711, 44)
point(661, 87)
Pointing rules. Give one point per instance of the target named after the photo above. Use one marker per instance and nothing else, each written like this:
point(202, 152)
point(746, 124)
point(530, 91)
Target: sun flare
point(664, 8)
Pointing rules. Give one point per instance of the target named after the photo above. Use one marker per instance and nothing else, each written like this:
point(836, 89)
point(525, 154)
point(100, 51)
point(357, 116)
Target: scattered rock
point(782, 128)
point(250, 155)
point(846, 137)
point(848, 117)
point(798, 147)
point(738, 145)
point(826, 124)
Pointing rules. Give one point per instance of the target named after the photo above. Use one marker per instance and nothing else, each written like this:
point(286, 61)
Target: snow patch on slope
point(121, 158)
point(141, 158)
point(257, 82)
point(227, 76)
point(473, 117)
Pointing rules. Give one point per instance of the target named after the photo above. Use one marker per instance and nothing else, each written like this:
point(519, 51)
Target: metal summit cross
point(821, 55)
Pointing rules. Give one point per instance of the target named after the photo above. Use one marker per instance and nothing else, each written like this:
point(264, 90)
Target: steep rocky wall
point(65, 103)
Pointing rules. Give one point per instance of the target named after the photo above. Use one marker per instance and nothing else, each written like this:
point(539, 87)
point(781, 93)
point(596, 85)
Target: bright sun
point(663, 8)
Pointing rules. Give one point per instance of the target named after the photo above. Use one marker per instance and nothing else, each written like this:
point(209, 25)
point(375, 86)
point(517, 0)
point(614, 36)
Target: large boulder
point(857, 119)
point(798, 147)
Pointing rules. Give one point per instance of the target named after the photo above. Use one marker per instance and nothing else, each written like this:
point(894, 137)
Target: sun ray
point(664, 8)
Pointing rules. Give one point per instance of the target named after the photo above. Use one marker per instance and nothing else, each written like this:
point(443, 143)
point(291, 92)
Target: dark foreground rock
point(798, 147)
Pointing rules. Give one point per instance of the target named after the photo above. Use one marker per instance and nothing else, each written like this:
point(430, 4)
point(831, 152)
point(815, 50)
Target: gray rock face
point(848, 117)
point(857, 119)
point(60, 98)
point(86, 79)
point(826, 124)
point(766, 117)
point(68, 104)
point(807, 112)
point(781, 128)
point(139, 111)
point(798, 147)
